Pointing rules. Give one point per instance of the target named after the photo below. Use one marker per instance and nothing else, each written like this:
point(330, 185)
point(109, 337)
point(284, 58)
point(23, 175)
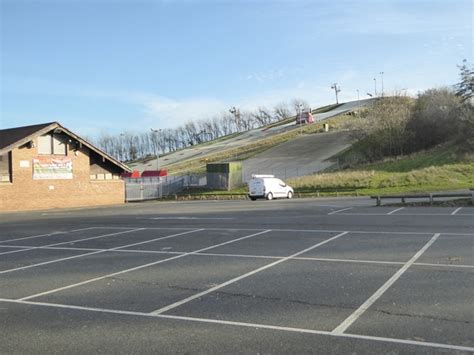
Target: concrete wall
point(24, 193)
point(224, 176)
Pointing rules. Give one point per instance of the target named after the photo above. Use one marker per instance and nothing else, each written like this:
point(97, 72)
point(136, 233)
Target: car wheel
point(270, 196)
point(290, 194)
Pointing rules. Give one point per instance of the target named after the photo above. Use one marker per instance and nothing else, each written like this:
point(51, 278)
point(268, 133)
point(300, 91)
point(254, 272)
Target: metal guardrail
point(430, 196)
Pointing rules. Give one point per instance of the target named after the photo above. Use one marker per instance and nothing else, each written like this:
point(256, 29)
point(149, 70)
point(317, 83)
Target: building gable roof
point(12, 138)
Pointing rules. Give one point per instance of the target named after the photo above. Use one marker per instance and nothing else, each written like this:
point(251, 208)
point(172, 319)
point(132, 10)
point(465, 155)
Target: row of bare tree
point(130, 146)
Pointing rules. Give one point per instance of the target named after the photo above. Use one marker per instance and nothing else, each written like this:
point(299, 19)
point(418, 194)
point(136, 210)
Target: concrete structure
point(224, 176)
point(47, 166)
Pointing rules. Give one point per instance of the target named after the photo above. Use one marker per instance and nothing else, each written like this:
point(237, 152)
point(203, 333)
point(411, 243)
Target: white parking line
point(408, 214)
point(302, 230)
point(71, 241)
point(337, 211)
point(190, 218)
point(82, 229)
point(244, 324)
point(212, 289)
point(33, 237)
point(16, 247)
point(340, 329)
point(357, 261)
point(141, 266)
point(95, 252)
point(398, 209)
point(456, 211)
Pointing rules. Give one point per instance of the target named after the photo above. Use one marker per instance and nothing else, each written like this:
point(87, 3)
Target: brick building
point(48, 166)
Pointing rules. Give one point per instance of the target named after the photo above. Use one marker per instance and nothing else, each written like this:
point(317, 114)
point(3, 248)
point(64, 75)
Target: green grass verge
point(439, 156)
point(370, 182)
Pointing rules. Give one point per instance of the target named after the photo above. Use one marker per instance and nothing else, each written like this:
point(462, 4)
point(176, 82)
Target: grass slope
point(436, 170)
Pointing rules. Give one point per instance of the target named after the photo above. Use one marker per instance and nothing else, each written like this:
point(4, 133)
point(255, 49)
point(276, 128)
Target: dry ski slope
point(301, 156)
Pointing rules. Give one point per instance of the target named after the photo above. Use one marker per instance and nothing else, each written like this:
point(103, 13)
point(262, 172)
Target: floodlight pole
point(236, 112)
point(381, 75)
point(155, 132)
point(336, 90)
point(375, 87)
point(358, 104)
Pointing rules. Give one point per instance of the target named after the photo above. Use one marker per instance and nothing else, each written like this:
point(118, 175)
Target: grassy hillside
point(436, 170)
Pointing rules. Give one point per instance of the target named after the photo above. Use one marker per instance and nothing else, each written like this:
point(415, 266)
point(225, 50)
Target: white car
point(269, 187)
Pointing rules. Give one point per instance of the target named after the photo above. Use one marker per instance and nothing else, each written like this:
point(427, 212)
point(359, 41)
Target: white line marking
point(32, 237)
point(16, 251)
point(360, 261)
point(445, 265)
point(73, 241)
point(301, 230)
point(84, 229)
point(354, 261)
point(212, 289)
point(365, 306)
point(141, 266)
point(244, 324)
point(398, 209)
point(456, 211)
point(406, 214)
point(337, 211)
point(95, 252)
point(190, 218)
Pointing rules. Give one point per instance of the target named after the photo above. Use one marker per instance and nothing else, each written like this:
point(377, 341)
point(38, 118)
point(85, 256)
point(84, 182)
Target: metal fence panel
point(150, 188)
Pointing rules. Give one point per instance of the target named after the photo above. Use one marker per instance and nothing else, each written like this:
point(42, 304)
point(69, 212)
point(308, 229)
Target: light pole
point(381, 75)
point(375, 87)
point(236, 112)
point(337, 89)
point(358, 104)
point(155, 133)
point(300, 115)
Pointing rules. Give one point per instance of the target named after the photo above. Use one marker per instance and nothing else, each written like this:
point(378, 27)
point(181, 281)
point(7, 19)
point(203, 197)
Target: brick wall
point(24, 193)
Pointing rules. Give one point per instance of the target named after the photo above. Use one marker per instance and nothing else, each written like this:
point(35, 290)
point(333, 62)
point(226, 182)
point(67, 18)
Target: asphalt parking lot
point(287, 276)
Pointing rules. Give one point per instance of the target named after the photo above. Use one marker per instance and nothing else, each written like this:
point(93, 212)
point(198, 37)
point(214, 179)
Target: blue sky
point(117, 65)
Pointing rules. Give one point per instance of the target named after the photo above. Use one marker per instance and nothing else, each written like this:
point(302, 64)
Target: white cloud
point(167, 112)
point(164, 112)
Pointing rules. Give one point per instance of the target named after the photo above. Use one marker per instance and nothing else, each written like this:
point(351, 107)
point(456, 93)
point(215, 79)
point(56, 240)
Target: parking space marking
point(191, 218)
point(337, 211)
point(212, 289)
point(341, 328)
point(407, 214)
point(456, 211)
point(33, 237)
point(318, 230)
point(141, 266)
point(395, 210)
point(95, 252)
point(244, 324)
point(139, 251)
point(445, 265)
point(16, 247)
point(72, 241)
point(83, 229)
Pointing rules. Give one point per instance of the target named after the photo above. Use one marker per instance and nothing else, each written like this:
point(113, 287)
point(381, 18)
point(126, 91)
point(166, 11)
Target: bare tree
point(383, 132)
point(262, 116)
point(435, 118)
point(281, 112)
point(299, 105)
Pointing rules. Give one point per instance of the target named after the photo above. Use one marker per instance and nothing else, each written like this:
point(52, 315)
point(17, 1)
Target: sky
point(120, 65)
